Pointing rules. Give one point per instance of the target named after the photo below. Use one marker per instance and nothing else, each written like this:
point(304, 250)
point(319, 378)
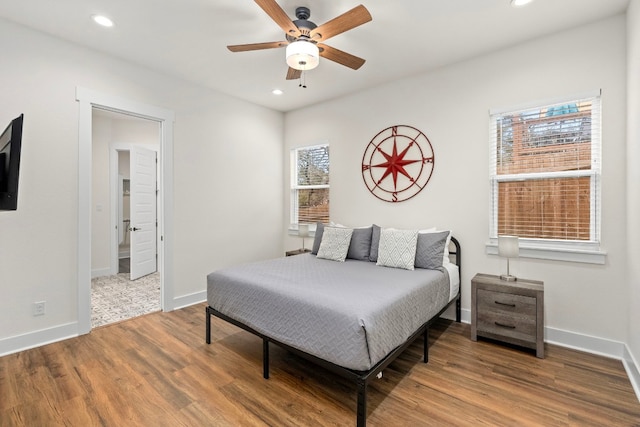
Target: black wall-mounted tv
point(10, 146)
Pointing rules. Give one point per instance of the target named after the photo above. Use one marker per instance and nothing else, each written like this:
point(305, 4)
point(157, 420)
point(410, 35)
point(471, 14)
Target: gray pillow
point(317, 238)
point(360, 246)
point(375, 242)
point(430, 249)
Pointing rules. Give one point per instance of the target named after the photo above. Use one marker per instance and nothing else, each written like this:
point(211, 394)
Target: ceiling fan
point(304, 39)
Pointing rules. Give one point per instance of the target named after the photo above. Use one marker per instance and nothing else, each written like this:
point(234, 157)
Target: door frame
point(114, 196)
point(87, 100)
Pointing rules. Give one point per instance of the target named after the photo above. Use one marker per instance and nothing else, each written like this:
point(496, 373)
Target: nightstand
point(297, 252)
point(511, 312)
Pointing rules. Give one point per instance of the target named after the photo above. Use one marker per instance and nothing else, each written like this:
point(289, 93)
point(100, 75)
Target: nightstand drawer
point(507, 325)
point(502, 302)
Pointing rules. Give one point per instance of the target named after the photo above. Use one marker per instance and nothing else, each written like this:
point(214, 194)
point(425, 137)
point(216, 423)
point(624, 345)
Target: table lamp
point(303, 231)
point(508, 248)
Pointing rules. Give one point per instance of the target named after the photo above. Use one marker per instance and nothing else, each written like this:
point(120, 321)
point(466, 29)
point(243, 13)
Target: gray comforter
point(351, 314)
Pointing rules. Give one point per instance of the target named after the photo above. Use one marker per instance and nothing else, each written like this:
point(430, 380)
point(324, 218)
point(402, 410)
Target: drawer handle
point(504, 303)
point(504, 326)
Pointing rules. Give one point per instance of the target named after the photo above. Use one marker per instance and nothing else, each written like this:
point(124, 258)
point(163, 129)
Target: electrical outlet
point(38, 308)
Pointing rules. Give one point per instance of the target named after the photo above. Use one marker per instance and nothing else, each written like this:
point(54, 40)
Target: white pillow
point(335, 243)
point(446, 259)
point(397, 248)
point(427, 230)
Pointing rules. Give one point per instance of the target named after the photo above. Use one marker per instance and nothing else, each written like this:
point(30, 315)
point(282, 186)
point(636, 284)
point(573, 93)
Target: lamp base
point(508, 278)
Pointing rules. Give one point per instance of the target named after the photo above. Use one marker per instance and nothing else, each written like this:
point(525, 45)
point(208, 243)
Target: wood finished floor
point(156, 370)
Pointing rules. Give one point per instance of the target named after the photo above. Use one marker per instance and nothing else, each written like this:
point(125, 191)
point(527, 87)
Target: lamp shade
point(303, 230)
point(303, 55)
point(508, 246)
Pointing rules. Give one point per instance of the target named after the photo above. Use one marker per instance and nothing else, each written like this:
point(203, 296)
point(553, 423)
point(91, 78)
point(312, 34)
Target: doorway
point(124, 217)
point(87, 100)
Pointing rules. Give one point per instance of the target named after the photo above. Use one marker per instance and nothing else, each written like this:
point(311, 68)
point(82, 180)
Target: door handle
point(134, 228)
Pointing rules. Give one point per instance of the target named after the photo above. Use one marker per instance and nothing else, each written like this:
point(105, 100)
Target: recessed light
point(102, 20)
point(277, 92)
point(519, 3)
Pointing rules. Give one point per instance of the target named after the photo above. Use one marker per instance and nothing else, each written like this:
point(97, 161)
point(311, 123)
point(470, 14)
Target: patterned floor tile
point(116, 298)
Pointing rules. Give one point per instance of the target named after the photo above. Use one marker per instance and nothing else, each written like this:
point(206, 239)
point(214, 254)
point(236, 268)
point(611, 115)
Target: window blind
point(545, 166)
point(310, 189)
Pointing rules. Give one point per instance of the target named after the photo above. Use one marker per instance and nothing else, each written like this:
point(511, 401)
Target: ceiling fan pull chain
point(303, 81)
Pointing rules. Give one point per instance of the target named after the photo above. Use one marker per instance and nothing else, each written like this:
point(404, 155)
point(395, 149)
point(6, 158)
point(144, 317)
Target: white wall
point(450, 105)
point(633, 184)
point(228, 197)
point(225, 151)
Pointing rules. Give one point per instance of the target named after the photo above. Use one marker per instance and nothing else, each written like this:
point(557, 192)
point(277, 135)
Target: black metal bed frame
point(361, 378)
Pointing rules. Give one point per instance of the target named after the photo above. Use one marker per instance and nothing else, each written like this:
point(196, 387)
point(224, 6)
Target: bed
point(352, 318)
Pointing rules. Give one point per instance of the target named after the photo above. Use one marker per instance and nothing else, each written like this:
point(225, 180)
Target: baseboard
point(100, 272)
point(38, 338)
point(590, 344)
point(191, 299)
point(465, 315)
point(65, 331)
point(632, 369)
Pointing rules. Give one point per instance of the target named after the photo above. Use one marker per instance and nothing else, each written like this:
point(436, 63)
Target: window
point(310, 184)
point(545, 173)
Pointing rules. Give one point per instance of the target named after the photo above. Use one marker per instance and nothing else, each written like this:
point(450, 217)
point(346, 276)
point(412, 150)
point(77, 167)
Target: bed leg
point(208, 326)
point(362, 403)
point(426, 345)
point(458, 310)
point(265, 358)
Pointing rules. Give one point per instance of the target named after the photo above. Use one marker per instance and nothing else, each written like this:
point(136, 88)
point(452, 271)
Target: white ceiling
point(188, 38)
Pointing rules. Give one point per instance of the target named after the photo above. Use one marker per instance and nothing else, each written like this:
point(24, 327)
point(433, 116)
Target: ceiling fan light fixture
point(303, 55)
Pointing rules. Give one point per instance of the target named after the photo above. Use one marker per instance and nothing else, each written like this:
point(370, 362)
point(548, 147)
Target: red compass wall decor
point(398, 163)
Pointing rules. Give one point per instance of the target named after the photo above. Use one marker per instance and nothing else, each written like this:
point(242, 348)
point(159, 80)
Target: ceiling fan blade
point(280, 17)
point(357, 16)
point(255, 46)
point(293, 74)
point(343, 58)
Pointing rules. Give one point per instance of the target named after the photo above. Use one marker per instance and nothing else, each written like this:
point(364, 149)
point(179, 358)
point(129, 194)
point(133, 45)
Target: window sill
point(587, 256)
point(291, 231)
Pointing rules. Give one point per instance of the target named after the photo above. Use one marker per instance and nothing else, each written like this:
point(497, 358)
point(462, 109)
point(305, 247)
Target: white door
point(143, 212)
